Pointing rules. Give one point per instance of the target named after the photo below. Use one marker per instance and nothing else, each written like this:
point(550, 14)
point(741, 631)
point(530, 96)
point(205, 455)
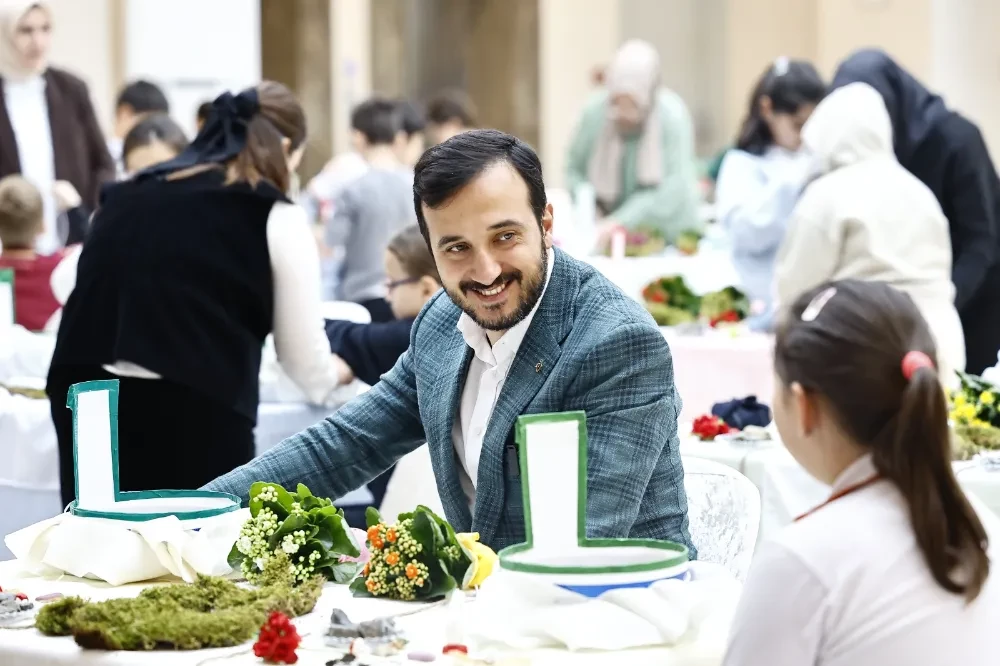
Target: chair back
point(723, 514)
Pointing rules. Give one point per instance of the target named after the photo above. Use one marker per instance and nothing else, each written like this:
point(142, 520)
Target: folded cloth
point(528, 613)
point(743, 412)
point(121, 552)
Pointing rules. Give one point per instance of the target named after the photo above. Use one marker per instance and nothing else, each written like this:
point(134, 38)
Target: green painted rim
point(677, 557)
point(160, 494)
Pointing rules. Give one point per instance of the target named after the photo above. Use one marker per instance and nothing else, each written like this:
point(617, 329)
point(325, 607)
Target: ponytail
point(917, 459)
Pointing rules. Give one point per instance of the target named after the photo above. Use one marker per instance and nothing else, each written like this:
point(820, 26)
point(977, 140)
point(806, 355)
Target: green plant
point(726, 305)
point(209, 613)
point(417, 557)
point(307, 529)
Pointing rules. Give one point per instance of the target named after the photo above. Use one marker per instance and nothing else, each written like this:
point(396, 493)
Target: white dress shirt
point(28, 111)
point(848, 586)
point(483, 383)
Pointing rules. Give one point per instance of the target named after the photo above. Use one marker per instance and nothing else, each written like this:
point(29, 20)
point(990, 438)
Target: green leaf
point(449, 531)
point(309, 503)
point(442, 582)
point(281, 508)
point(344, 572)
point(334, 536)
point(372, 516)
point(302, 490)
point(292, 523)
point(359, 589)
point(423, 531)
point(235, 558)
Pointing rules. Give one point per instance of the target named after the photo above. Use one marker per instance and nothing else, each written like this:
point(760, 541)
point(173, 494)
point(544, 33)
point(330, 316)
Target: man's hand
point(343, 370)
point(66, 195)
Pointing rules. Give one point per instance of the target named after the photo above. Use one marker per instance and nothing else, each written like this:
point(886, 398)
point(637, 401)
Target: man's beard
point(531, 291)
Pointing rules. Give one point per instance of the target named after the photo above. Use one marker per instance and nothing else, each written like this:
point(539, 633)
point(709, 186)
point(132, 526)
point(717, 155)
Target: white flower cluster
point(252, 542)
point(304, 567)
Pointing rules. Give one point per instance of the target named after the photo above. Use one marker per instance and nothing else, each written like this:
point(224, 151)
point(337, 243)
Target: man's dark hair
point(379, 120)
point(411, 117)
point(204, 111)
point(449, 106)
point(143, 97)
point(449, 167)
point(156, 127)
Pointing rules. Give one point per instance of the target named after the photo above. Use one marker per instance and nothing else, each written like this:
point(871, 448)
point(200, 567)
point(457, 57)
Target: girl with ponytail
point(893, 568)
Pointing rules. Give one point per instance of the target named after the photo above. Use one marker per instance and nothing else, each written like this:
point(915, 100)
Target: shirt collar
point(857, 472)
point(506, 347)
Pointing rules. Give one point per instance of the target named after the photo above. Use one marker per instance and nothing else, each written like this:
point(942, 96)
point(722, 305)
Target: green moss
point(209, 613)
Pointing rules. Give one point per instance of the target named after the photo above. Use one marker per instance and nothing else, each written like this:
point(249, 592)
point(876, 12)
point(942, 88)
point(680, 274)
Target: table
point(711, 269)
point(426, 630)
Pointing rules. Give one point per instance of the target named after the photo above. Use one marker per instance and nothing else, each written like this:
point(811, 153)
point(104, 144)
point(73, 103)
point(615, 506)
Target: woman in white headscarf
point(48, 130)
point(635, 146)
point(868, 218)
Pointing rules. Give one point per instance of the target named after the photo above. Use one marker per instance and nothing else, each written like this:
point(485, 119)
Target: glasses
point(392, 284)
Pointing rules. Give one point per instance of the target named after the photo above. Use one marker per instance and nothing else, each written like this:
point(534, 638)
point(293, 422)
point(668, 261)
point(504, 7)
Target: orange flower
point(373, 533)
point(370, 584)
point(411, 571)
point(392, 558)
point(390, 535)
point(364, 572)
point(377, 543)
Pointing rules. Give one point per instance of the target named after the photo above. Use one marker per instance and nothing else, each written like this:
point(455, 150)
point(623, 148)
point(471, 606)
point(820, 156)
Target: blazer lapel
point(441, 409)
point(10, 161)
point(532, 364)
point(60, 124)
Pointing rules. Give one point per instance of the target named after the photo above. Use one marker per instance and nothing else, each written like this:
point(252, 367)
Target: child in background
point(21, 223)
point(893, 568)
point(371, 350)
point(372, 207)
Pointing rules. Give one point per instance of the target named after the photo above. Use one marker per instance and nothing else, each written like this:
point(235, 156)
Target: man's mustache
point(504, 278)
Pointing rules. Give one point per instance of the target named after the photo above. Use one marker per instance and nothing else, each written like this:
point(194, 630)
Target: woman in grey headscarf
point(634, 145)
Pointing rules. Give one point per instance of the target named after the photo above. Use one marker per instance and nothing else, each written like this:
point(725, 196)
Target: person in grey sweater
point(373, 207)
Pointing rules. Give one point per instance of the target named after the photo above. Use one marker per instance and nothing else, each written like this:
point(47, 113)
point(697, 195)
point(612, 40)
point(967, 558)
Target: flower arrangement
point(671, 302)
point(209, 613)
point(277, 640)
point(308, 530)
point(975, 416)
point(420, 557)
point(709, 426)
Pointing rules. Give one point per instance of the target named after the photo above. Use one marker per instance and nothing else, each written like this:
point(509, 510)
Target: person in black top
point(370, 350)
point(188, 266)
point(946, 151)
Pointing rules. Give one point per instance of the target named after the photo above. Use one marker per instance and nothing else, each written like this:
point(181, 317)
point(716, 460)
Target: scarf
point(635, 71)
point(12, 66)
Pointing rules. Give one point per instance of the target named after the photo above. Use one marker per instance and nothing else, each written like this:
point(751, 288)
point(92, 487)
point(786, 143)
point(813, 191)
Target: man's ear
point(547, 219)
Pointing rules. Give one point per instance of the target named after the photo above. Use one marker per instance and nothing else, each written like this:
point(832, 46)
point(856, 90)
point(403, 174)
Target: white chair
point(723, 514)
point(346, 311)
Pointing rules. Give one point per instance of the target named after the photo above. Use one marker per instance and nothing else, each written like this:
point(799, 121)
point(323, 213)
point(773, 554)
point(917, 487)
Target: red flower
point(708, 427)
point(729, 316)
point(277, 640)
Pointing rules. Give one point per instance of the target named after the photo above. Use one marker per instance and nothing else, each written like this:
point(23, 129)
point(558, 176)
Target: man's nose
point(486, 269)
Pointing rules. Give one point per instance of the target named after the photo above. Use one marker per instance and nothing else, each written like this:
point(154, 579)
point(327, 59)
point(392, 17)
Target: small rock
point(50, 597)
point(421, 656)
point(339, 617)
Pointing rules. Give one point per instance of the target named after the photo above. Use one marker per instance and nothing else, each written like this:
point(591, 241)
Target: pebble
point(421, 656)
point(50, 597)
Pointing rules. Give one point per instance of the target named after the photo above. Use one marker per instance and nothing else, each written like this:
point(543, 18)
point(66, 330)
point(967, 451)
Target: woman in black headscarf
point(188, 267)
point(946, 151)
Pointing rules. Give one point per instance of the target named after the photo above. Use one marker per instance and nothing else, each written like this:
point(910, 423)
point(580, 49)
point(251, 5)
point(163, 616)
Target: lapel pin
point(538, 367)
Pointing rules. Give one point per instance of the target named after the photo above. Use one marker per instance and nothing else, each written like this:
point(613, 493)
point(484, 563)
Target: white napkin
point(128, 552)
point(524, 614)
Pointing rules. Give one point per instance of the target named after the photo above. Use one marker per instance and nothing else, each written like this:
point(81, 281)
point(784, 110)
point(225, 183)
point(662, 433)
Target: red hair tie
point(913, 361)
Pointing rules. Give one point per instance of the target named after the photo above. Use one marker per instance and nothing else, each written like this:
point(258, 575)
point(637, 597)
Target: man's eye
point(455, 249)
point(507, 236)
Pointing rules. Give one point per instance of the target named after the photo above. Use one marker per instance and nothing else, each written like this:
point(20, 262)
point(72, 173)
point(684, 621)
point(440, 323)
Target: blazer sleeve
point(346, 450)
point(102, 166)
point(371, 350)
point(626, 387)
point(973, 207)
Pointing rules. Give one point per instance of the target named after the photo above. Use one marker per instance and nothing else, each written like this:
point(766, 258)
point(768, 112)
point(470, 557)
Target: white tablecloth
point(425, 630)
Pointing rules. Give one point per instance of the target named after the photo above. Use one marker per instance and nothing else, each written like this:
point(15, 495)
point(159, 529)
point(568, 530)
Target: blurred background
point(527, 65)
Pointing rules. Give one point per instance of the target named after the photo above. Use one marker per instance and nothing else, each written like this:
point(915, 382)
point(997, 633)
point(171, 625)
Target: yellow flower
point(483, 559)
point(958, 400)
point(987, 398)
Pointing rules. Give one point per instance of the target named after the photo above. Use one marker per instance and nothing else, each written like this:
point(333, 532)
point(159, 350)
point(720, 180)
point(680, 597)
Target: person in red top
point(20, 225)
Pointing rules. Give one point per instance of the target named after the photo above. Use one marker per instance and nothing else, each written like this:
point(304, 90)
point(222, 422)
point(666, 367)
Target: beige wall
point(86, 42)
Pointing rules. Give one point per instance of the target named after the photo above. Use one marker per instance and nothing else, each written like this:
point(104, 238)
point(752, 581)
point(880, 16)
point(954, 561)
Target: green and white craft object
point(553, 457)
point(6, 299)
point(95, 468)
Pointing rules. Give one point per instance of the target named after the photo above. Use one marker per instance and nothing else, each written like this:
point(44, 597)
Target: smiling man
point(520, 328)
